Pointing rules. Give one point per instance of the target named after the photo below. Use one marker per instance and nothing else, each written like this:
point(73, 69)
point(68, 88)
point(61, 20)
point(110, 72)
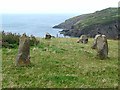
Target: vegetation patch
point(11, 40)
point(61, 63)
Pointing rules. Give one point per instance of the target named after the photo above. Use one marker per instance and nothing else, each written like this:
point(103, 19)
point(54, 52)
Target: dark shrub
point(11, 40)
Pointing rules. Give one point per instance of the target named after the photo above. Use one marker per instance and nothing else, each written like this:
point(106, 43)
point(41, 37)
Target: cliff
point(104, 21)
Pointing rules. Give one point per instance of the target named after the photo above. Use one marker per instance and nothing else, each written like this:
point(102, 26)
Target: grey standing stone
point(23, 57)
point(83, 39)
point(101, 45)
point(48, 36)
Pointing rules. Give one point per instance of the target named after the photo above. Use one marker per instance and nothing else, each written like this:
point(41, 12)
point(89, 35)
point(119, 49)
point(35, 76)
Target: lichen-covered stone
point(101, 45)
point(23, 57)
point(83, 39)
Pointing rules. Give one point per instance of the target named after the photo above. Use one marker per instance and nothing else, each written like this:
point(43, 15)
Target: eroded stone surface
point(23, 57)
point(101, 45)
point(83, 39)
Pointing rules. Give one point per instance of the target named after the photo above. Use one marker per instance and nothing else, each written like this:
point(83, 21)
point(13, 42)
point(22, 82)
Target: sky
point(55, 6)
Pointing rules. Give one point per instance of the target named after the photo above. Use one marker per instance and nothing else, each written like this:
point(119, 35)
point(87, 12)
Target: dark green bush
point(33, 41)
point(11, 40)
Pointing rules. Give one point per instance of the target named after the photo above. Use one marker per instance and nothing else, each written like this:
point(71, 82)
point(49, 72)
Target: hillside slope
point(104, 21)
point(62, 63)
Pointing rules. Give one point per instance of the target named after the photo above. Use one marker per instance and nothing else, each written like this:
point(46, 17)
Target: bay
point(33, 24)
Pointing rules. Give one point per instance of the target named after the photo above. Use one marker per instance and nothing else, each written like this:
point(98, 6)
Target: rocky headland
point(104, 22)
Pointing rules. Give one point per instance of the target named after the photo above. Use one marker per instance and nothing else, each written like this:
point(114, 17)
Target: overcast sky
point(55, 6)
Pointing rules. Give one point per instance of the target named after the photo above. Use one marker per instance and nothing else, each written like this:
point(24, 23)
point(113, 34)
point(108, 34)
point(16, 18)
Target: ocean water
point(33, 24)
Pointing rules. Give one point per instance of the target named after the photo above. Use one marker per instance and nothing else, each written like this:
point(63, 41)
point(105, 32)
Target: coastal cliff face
point(104, 22)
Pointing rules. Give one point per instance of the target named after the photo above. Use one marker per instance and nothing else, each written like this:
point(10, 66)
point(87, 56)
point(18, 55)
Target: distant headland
point(104, 21)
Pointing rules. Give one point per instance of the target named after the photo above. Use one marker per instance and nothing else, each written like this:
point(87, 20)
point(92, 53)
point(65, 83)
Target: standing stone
point(83, 39)
point(101, 45)
point(48, 36)
point(23, 57)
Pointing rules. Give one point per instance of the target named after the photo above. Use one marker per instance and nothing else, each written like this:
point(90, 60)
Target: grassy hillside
point(61, 63)
point(99, 17)
point(104, 21)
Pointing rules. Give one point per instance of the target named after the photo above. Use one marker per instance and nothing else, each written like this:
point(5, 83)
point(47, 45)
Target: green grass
point(61, 63)
point(105, 16)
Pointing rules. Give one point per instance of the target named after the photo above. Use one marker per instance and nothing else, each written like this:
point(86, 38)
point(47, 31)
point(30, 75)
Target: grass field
point(61, 63)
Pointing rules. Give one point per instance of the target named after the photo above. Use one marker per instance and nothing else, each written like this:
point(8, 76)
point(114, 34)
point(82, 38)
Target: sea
point(33, 24)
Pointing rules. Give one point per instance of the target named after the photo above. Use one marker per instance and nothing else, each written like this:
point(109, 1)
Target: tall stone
point(23, 57)
point(101, 45)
